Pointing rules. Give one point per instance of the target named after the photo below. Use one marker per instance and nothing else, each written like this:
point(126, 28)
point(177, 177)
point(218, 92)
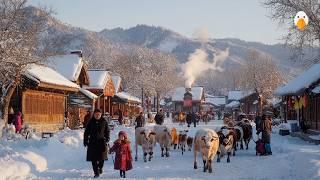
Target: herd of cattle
point(207, 142)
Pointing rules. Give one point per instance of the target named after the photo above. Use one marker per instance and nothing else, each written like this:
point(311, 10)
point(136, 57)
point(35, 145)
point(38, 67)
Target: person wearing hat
point(96, 136)
point(123, 158)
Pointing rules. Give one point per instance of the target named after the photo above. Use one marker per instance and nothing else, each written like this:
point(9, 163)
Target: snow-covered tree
point(284, 12)
point(149, 69)
point(20, 30)
point(260, 74)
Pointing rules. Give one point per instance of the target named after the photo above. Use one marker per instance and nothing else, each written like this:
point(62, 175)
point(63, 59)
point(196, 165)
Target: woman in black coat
point(96, 136)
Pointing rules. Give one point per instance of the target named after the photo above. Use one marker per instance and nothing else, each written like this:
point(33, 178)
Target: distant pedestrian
point(194, 119)
point(189, 118)
point(87, 118)
point(96, 136)
point(181, 118)
point(18, 121)
point(140, 121)
point(159, 118)
point(120, 117)
point(258, 121)
point(266, 129)
point(123, 158)
point(11, 116)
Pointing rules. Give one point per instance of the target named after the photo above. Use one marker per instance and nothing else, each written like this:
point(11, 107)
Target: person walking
point(266, 129)
point(18, 121)
point(194, 119)
point(189, 118)
point(123, 158)
point(140, 121)
point(96, 137)
point(181, 118)
point(159, 118)
point(120, 117)
point(258, 121)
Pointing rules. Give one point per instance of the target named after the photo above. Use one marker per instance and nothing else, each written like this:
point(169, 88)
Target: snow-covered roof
point(69, 65)
point(233, 104)
point(196, 92)
point(301, 82)
point(43, 74)
point(316, 90)
point(128, 97)
point(235, 95)
point(98, 79)
point(116, 82)
point(218, 101)
point(88, 93)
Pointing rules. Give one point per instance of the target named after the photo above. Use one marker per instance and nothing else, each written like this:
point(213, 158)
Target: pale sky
point(244, 19)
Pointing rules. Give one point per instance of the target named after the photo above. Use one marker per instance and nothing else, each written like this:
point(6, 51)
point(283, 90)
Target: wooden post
point(104, 105)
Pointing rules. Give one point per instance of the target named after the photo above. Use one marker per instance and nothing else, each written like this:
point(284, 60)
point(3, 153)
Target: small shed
point(42, 98)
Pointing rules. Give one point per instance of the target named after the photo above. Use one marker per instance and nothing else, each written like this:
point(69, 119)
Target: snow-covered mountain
point(181, 46)
point(104, 45)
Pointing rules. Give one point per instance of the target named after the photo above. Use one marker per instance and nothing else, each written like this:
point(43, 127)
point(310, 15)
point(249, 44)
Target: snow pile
point(38, 161)
point(63, 157)
point(301, 82)
point(71, 138)
point(315, 137)
point(11, 169)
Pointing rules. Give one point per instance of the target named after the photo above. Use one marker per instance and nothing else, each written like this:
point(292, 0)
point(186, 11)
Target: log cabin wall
point(78, 105)
point(43, 111)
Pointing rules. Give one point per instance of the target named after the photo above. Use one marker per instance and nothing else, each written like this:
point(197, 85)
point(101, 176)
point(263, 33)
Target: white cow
point(164, 138)
point(206, 141)
point(146, 139)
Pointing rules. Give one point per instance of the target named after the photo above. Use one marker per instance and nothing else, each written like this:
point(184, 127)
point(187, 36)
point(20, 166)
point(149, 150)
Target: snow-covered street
point(63, 157)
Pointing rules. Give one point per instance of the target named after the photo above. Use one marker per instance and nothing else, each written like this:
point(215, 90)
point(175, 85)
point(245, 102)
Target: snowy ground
point(63, 157)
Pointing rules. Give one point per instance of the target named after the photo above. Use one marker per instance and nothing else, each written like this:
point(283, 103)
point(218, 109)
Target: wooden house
point(73, 67)
point(128, 104)
point(301, 98)
point(42, 98)
point(249, 104)
point(188, 99)
point(215, 102)
point(101, 85)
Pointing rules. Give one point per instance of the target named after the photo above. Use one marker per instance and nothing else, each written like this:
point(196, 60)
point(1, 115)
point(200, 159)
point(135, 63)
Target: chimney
point(187, 98)
point(78, 52)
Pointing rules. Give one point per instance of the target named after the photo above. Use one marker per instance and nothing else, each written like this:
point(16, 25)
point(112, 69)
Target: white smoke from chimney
point(198, 63)
point(201, 34)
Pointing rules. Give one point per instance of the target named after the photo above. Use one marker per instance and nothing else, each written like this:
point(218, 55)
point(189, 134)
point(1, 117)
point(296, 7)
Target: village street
point(80, 81)
point(63, 157)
